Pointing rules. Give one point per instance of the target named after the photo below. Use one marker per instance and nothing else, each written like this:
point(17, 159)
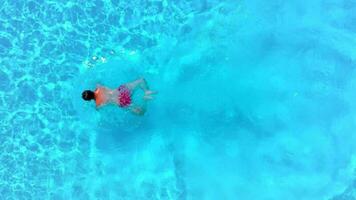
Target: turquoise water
point(256, 99)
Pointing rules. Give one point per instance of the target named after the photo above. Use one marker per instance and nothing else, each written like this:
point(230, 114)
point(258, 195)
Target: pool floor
point(255, 99)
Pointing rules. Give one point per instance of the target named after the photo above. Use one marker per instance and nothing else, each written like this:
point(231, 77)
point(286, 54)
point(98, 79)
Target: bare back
point(104, 96)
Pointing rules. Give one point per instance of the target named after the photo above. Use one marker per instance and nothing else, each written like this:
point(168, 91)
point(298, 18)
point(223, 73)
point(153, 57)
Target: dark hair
point(88, 95)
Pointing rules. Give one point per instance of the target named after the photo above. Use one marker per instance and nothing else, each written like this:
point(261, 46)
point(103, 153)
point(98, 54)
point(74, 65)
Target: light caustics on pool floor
point(256, 99)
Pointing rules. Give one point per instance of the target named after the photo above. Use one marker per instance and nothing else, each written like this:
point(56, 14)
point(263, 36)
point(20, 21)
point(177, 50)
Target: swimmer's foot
point(149, 92)
point(147, 97)
point(138, 110)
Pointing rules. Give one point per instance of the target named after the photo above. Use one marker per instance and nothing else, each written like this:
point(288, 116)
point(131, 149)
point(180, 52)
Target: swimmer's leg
point(138, 83)
point(137, 110)
point(143, 85)
point(148, 95)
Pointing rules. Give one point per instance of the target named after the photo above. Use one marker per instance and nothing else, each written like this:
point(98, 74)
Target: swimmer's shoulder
point(100, 95)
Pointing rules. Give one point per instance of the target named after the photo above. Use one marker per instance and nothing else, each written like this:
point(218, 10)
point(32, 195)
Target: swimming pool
point(256, 99)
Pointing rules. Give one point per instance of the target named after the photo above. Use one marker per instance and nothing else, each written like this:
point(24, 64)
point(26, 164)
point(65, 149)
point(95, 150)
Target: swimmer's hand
point(97, 107)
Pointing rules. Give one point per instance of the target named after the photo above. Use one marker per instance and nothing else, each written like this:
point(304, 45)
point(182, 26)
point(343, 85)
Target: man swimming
point(121, 96)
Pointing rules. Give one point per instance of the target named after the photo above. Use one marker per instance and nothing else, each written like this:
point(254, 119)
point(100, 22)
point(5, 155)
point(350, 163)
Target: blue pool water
point(256, 99)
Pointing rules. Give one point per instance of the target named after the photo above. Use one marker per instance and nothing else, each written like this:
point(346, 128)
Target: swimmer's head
point(88, 95)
